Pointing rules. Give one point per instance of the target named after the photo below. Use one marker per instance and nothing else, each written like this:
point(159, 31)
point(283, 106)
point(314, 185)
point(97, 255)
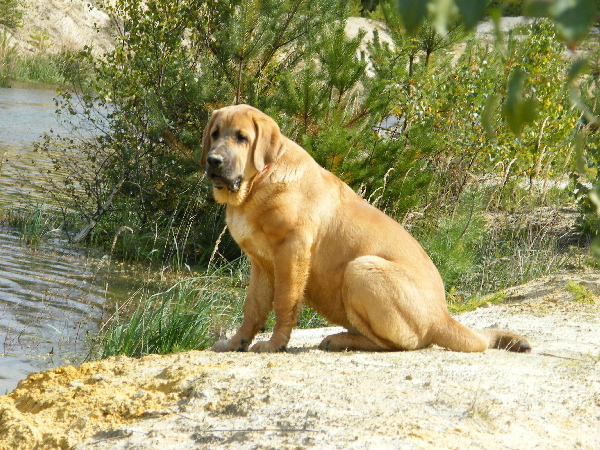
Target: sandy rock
point(59, 25)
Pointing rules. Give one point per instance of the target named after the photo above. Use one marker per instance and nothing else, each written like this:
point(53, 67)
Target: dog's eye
point(215, 134)
point(241, 138)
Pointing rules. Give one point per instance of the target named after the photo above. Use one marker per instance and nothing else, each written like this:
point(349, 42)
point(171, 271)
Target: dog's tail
point(505, 340)
point(455, 336)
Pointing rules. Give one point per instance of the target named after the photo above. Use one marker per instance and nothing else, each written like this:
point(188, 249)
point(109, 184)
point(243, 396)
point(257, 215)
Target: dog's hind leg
point(385, 306)
point(348, 341)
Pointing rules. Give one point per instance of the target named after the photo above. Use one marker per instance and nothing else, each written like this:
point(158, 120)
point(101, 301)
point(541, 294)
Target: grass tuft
point(190, 315)
point(33, 224)
point(580, 293)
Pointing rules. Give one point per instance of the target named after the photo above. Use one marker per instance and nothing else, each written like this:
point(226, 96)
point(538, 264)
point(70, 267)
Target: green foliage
point(573, 20)
point(150, 102)
point(586, 147)
point(11, 13)
point(412, 13)
point(580, 293)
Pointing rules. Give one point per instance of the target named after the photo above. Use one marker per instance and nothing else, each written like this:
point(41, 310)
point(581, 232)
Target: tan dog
point(312, 240)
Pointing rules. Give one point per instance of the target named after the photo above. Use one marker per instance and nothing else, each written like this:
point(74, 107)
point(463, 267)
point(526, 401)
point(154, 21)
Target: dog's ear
point(269, 142)
point(206, 138)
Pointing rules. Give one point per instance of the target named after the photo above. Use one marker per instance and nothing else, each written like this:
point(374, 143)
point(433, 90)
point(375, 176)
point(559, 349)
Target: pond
point(52, 294)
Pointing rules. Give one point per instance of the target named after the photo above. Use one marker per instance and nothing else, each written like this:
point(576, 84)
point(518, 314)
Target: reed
point(33, 223)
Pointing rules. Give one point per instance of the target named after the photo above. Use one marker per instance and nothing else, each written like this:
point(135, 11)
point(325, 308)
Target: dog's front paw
point(267, 347)
point(228, 345)
point(224, 345)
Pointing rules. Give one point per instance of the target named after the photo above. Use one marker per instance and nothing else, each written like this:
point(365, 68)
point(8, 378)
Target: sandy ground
point(549, 399)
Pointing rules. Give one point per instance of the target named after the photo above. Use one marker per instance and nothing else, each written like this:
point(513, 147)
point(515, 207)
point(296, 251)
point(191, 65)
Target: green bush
point(175, 62)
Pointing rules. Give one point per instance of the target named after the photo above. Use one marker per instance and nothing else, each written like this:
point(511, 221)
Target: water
point(24, 116)
point(51, 295)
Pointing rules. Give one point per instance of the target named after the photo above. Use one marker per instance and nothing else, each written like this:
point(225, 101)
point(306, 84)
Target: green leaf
point(491, 105)
point(578, 142)
point(412, 14)
point(537, 8)
point(442, 13)
point(595, 199)
point(578, 102)
point(573, 18)
point(496, 16)
point(528, 110)
point(595, 248)
point(578, 67)
point(511, 105)
point(471, 11)
point(516, 110)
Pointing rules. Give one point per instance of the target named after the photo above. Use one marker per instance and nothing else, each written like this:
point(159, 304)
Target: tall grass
point(39, 67)
point(34, 223)
point(513, 256)
point(479, 250)
point(190, 315)
point(512, 251)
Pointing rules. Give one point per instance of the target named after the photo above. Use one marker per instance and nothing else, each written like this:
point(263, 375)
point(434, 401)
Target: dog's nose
point(214, 161)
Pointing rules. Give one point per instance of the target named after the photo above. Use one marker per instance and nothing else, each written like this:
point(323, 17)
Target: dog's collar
point(257, 175)
point(261, 173)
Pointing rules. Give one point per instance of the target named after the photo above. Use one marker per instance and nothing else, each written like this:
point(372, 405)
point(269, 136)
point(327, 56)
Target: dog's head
point(238, 142)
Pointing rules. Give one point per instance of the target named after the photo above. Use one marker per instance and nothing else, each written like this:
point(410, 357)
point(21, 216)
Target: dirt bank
point(425, 399)
point(59, 25)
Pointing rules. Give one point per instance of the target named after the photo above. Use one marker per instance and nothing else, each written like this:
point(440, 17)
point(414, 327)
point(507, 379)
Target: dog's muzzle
point(218, 170)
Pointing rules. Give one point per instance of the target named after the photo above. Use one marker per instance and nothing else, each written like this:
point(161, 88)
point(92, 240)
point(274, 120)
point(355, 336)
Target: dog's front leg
point(258, 304)
point(291, 274)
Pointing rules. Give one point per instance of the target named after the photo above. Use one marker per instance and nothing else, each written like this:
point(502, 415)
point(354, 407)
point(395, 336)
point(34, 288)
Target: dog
point(312, 240)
